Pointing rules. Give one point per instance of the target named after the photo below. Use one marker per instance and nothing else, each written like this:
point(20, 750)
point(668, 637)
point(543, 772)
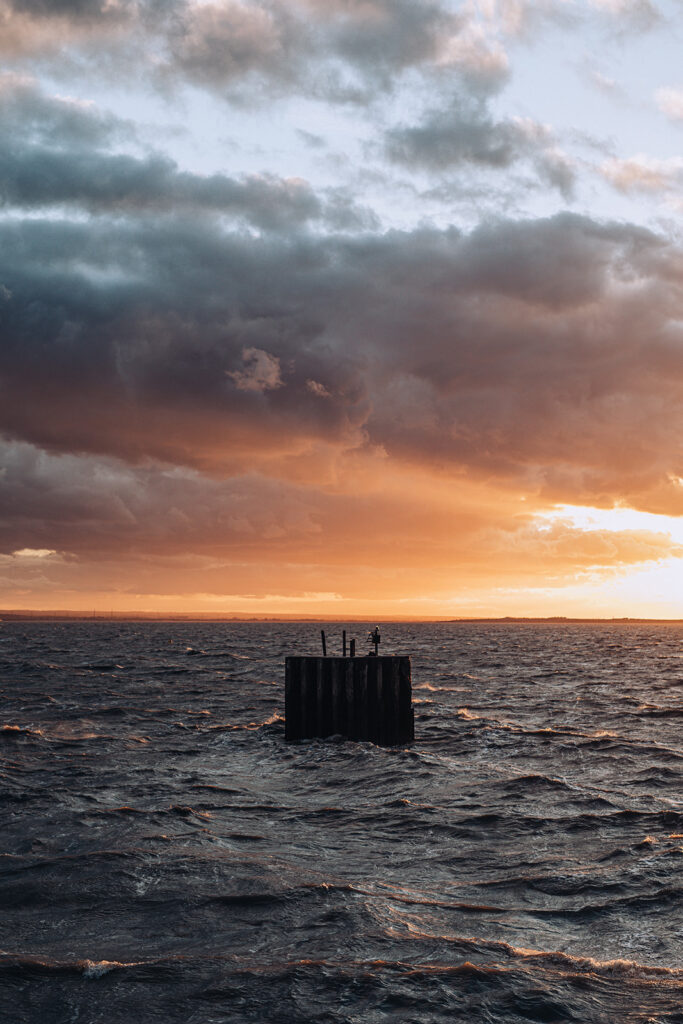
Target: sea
point(165, 854)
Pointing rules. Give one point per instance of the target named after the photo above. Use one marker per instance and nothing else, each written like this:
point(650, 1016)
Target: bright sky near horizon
point(342, 306)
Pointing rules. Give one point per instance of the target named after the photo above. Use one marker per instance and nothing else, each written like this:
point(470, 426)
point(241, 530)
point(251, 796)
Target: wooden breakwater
point(362, 698)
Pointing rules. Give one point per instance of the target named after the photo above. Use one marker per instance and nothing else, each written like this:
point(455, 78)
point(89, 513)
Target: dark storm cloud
point(547, 352)
point(144, 325)
point(543, 350)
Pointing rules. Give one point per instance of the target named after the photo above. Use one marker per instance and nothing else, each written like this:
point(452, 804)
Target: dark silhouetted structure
point(362, 698)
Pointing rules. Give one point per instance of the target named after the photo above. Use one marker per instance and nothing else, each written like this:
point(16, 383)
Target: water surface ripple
point(165, 855)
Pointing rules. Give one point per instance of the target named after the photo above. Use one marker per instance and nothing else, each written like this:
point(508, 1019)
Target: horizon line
point(24, 614)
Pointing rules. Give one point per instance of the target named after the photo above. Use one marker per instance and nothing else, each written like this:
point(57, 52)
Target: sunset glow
point(345, 309)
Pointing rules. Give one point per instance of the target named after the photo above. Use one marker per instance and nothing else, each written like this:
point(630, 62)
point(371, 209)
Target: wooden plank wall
point(366, 698)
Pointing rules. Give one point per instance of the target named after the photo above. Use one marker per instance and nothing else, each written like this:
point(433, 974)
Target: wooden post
point(344, 643)
point(364, 698)
point(322, 637)
point(353, 648)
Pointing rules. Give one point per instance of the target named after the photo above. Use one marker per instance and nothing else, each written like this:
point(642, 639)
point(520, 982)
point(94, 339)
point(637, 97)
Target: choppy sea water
point(166, 856)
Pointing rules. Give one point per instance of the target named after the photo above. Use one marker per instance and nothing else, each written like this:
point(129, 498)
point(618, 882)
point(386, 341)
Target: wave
point(198, 653)
point(598, 738)
point(274, 719)
point(12, 732)
point(537, 782)
point(566, 962)
point(547, 963)
point(661, 711)
point(543, 816)
point(435, 689)
point(100, 666)
point(25, 966)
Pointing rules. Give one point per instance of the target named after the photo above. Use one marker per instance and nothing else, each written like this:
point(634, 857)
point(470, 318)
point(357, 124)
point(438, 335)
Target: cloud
point(604, 83)
point(481, 60)
point(452, 136)
point(103, 506)
point(261, 371)
point(245, 50)
point(633, 15)
point(464, 133)
point(44, 28)
point(527, 19)
point(643, 174)
point(317, 388)
point(33, 553)
point(57, 152)
point(240, 383)
point(524, 18)
point(74, 9)
point(156, 531)
point(543, 353)
point(670, 102)
point(379, 39)
point(216, 44)
point(30, 115)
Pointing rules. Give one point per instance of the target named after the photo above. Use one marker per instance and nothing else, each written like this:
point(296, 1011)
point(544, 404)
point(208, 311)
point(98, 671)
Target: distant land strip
point(23, 615)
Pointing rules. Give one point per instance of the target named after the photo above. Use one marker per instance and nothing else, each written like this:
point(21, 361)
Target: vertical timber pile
point(366, 698)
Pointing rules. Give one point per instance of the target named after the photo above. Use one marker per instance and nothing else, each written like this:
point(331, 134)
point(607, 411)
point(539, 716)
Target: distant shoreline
point(22, 615)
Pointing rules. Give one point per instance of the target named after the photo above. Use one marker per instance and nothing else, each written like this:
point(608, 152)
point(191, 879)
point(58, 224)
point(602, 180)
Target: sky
point(342, 307)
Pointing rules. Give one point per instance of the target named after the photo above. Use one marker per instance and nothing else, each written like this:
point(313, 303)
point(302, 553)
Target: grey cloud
point(248, 52)
point(143, 323)
point(544, 351)
point(396, 35)
point(95, 506)
point(75, 9)
point(342, 53)
point(463, 132)
point(445, 138)
point(76, 524)
point(54, 152)
point(100, 182)
point(312, 140)
point(95, 15)
point(27, 114)
point(634, 15)
point(55, 31)
point(217, 44)
point(556, 170)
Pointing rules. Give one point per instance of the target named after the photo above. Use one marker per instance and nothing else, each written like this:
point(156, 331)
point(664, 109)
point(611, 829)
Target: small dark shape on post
point(364, 698)
point(322, 637)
